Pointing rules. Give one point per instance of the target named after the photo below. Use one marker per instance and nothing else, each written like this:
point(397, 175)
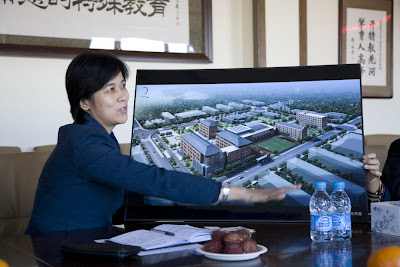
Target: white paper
point(190, 233)
point(145, 239)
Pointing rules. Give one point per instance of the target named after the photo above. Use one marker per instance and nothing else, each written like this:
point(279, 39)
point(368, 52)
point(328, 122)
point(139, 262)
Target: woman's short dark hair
point(87, 74)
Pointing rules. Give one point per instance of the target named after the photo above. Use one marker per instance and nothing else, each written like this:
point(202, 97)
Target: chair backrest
point(44, 148)
point(9, 149)
point(125, 148)
point(379, 144)
point(19, 175)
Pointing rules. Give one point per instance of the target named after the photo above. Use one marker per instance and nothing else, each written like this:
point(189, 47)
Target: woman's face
point(108, 106)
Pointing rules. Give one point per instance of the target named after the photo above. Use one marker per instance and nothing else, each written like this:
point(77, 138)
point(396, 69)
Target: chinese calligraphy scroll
point(366, 39)
point(161, 20)
point(366, 44)
point(145, 30)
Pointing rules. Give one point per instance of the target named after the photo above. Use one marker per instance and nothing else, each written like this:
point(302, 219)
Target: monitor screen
point(253, 128)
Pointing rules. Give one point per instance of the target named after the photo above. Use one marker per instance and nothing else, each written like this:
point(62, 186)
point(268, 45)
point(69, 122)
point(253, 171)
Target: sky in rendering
point(165, 94)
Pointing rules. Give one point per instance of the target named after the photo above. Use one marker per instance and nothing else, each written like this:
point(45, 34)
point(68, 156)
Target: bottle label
point(321, 223)
point(348, 222)
point(341, 222)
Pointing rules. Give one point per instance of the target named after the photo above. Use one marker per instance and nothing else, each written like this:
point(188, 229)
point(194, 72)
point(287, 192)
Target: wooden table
point(288, 244)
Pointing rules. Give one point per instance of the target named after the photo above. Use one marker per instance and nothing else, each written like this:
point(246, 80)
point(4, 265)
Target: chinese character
point(115, 6)
point(77, 2)
point(38, 3)
point(361, 59)
point(67, 4)
point(371, 35)
point(371, 47)
point(362, 26)
point(102, 5)
point(140, 6)
point(372, 25)
point(89, 4)
point(362, 23)
point(129, 6)
point(158, 6)
point(361, 35)
point(371, 71)
point(371, 59)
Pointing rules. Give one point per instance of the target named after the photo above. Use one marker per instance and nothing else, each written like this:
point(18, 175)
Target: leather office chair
point(19, 174)
point(125, 148)
point(44, 148)
point(9, 149)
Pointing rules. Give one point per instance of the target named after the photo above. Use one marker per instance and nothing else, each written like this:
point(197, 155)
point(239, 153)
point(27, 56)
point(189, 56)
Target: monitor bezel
point(137, 211)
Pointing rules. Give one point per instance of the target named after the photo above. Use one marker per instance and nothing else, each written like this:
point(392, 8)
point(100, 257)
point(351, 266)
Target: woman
point(82, 183)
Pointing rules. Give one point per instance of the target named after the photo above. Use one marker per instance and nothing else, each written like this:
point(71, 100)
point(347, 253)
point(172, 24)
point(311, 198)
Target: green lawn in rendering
point(276, 144)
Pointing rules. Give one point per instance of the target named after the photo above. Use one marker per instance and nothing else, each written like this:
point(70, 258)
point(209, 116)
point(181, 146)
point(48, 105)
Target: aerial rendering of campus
point(255, 135)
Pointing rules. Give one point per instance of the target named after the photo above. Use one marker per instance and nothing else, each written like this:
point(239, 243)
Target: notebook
point(147, 239)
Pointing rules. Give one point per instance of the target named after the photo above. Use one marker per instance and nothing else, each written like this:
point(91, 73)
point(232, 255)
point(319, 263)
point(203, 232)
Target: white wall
point(380, 115)
point(322, 32)
point(282, 32)
point(34, 104)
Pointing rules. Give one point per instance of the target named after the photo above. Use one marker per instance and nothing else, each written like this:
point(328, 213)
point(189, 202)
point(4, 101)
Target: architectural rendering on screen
point(255, 135)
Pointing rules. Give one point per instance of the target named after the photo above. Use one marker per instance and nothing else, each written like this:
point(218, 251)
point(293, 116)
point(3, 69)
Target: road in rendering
point(248, 175)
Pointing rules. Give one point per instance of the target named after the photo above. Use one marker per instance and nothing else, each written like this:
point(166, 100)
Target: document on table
point(184, 234)
point(187, 232)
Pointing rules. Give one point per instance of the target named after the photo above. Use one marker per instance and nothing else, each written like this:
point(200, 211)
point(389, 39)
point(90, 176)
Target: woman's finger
point(376, 173)
point(371, 162)
point(369, 156)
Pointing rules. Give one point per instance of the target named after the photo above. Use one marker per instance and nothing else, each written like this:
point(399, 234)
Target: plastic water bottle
point(341, 217)
point(320, 212)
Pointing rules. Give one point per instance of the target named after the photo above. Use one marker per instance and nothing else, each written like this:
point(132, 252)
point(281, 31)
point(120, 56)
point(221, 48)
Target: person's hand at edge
point(371, 164)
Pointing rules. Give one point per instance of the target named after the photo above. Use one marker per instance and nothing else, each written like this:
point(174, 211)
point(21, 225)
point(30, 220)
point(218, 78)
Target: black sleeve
point(391, 170)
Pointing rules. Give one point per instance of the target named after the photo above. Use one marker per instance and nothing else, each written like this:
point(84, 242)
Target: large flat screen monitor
point(254, 128)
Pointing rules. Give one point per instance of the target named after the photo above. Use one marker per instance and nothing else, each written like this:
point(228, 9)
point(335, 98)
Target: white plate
point(233, 257)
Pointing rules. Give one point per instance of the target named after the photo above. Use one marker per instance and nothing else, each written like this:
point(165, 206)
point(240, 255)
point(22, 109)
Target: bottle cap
point(338, 185)
point(320, 185)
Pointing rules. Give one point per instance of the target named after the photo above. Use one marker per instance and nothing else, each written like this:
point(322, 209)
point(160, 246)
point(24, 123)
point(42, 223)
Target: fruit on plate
point(236, 242)
point(249, 246)
point(214, 246)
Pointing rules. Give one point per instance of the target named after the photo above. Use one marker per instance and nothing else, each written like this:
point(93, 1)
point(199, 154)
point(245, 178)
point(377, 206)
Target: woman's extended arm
point(257, 195)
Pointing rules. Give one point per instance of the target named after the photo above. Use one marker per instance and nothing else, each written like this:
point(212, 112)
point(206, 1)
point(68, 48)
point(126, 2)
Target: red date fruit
point(233, 248)
point(244, 234)
point(218, 235)
point(232, 238)
point(213, 246)
point(249, 246)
